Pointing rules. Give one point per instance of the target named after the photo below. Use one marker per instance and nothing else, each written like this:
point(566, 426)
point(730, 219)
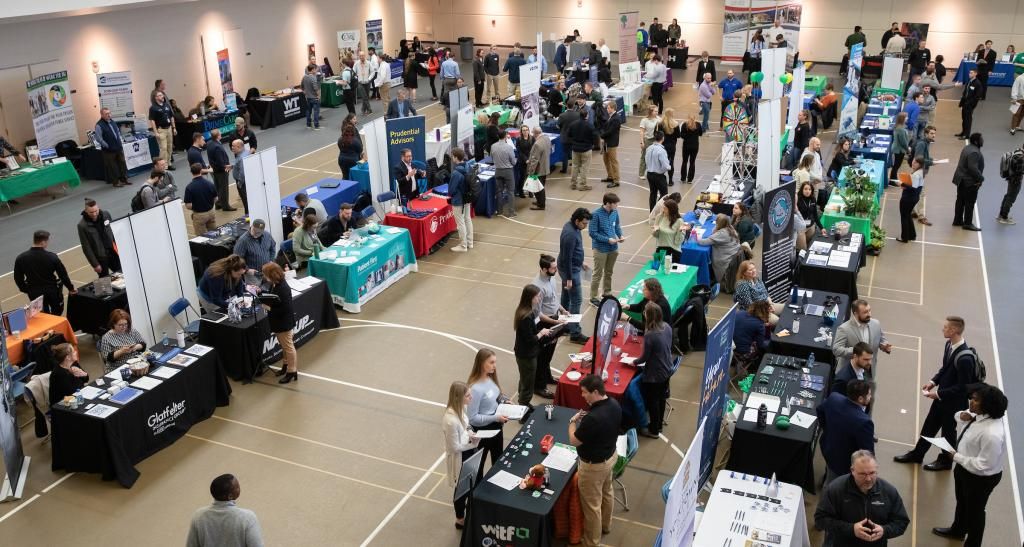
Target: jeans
point(705, 112)
point(604, 267)
point(1012, 189)
point(572, 299)
point(313, 110)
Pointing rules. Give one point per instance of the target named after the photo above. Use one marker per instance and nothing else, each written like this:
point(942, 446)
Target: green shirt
point(856, 38)
point(1018, 60)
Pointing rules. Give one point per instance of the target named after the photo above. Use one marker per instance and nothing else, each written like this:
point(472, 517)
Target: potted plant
point(877, 240)
point(858, 193)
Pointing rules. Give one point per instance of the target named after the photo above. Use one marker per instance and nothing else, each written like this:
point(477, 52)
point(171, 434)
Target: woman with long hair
point(433, 66)
point(483, 407)
point(724, 243)
point(802, 134)
point(493, 131)
point(459, 442)
point(527, 345)
point(479, 76)
point(807, 206)
point(410, 78)
point(657, 362)
point(121, 342)
point(305, 240)
point(281, 318)
point(648, 125)
point(670, 127)
point(841, 160)
point(221, 281)
point(653, 293)
point(67, 377)
point(690, 132)
point(911, 194)
point(668, 231)
point(350, 148)
point(900, 146)
point(802, 173)
point(743, 223)
point(750, 289)
point(416, 46)
point(523, 147)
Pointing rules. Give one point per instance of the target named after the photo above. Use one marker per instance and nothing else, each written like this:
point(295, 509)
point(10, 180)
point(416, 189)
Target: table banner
point(385, 258)
point(628, 24)
point(404, 133)
point(779, 243)
point(681, 506)
point(713, 389)
point(136, 154)
point(53, 118)
point(115, 91)
point(608, 314)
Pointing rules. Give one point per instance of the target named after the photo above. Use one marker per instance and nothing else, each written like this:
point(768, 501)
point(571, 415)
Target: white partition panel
point(375, 142)
point(263, 190)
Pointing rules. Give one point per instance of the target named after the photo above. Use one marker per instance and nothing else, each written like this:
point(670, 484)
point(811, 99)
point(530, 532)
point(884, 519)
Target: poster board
point(892, 72)
point(263, 190)
point(348, 39)
point(411, 133)
point(115, 92)
point(375, 34)
point(224, 70)
point(851, 92)
point(779, 243)
point(680, 518)
point(629, 21)
point(743, 18)
point(53, 118)
point(713, 389)
point(629, 73)
point(529, 79)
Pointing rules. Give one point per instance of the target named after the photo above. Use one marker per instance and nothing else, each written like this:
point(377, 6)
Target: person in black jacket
point(968, 178)
point(972, 93)
point(802, 135)
point(986, 62)
point(67, 377)
point(860, 509)
point(38, 272)
point(406, 175)
point(610, 144)
point(527, 345)
point(281, 318)
point(97, 239)
point(340, 225)
point(705, 65)
point(690, 131)
point(479, 76)
point(523, 146)
point(750, 334)
point(841, 159)
point(565, 120)
point(583, 137)
point(556, 99)
point(670, 127)
point(653, 292)
point(657, 362)
point(948, 392)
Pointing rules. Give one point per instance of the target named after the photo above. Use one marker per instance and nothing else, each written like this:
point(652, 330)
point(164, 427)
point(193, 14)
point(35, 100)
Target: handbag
point(533, 184)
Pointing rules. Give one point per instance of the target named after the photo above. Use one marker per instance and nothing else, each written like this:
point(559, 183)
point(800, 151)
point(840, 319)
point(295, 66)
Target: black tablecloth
point(154, 420)
point(219, 246)
point(89, 313)
point(271, 113)
point(245, 346)
point(92, 162)
point(802, 344)
point(832, 278)
point(493, 507)
point(677, 57)
point(787, 453)
point(225, 121)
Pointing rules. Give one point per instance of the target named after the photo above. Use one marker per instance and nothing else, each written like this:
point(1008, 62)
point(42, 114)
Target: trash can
point(466, 45)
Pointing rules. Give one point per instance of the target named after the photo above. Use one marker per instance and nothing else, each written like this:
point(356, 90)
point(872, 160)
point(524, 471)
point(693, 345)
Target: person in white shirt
point(1017, 99)
point(656, 74)
point(656, 159)
point(365, 73)
point(606, 52)
point(896, 45)
point(383, 81)
point(375, 66)
point(979, 455)
point(224, 524)
point(776, 30)
point(814, 149)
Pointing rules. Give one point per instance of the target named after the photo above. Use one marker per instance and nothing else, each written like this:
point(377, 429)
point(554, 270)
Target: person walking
point(670, 127)
point(610, 144)
point(972, 93)
point(39, 272)
point(220, 163)
point(571, 266)
point(539, 165)
point(979, 454)
point(656, 160)
point(594, 434)
point(968, 178)
point(528, 341)
point(605, 235)
point(364, 77)
point(705, 91)
point(657, 362)
point(223, 523)
point(311, 89)
point(503, 154)
point(908, 200)
point(1015, 173)
point(457, 191)
point(459, 442)
point(690, 132)
point(583, 137)
point(97, 239)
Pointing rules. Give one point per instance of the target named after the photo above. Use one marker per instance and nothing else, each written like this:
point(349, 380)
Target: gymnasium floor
point(352, 454)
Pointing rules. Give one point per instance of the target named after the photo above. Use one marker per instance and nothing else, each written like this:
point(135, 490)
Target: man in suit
point(948, 392)
point(968, 177)
point(860, 328)
point(973, 92)
point(846, 427)
point(705, 66)
point(859, 369)
point(986, 62)
point(406, 176)
point(400, 107)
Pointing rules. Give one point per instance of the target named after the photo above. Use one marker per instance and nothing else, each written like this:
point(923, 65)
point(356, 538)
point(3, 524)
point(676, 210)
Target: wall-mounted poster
point(311, 53)
point(224, 68)
point(375, 34)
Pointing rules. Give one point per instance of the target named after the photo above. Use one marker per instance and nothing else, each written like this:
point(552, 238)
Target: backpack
point(979, 365)
point(1011, 164)
point(472, 189)
point(137, 203)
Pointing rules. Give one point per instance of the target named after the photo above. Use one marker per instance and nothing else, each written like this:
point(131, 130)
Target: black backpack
point(471, 185)
point(137, 203)
point(979, 366)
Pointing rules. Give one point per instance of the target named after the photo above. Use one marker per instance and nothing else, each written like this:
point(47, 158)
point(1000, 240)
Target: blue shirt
point(913, 110)
point(201, 193)
point(195, 155)
point(450, 69)
point(570, 252)
point(543, 62)
point(603, 226)
point(457, 182)
point(483, 407)
point(730, 87)
point(512, 65)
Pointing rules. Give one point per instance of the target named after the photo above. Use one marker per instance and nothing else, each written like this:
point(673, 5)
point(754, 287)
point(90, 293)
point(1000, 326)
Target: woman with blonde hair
point(802, 173)
point(670, 127)
point(281, 318)
point(459, 442)
point(750, 289)
point(482, 412)
point(648, 125)
point(725, 245)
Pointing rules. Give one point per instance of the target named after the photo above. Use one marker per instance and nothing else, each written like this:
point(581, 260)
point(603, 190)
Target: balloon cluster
point(757, 77)
point(786, 78)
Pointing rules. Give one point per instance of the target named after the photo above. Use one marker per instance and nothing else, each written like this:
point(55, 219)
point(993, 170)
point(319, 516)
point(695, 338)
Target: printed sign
point(375, 34)
point(136, 154)
point(608, 314)
point(115, 91)
point(628, 23)
point(348, 39)
point(53, 118)
point(779, 244)
point(713, 388)
point(224, 68)
point(681, 506)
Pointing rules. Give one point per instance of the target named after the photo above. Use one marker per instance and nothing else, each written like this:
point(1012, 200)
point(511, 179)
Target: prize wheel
point(735, 122)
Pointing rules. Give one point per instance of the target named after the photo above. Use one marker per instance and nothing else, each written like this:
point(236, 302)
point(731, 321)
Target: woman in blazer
point(67, 377)
point(459, 442)
point(281, 317)
point(527, 345)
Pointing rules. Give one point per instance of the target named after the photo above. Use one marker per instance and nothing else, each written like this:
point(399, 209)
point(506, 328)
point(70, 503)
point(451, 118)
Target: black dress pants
point(688, 164)
point(972, 492)
point(478, 89)
point(541, 196)
point(654, 399)
point(983, 80)
point(657, 91)
point(220, 181)
point(894, 173)
point(910, 197)
point(494, 446)
point(940, 417)
point(966, 120)
point(671, 152)
point(460, 503)
point(963, 209)
point(542, 376)
point(659, 187)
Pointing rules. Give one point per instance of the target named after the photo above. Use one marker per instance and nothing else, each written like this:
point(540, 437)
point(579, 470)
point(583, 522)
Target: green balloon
point(782, 78)
point(757, 77)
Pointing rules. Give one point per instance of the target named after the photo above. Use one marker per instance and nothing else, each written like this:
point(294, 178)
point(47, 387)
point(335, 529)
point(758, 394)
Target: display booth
point(263, 190)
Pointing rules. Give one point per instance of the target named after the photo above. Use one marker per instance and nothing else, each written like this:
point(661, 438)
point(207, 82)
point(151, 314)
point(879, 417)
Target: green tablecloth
point(381, 260)
point(876, 170)
point(815, 84)
point(676, 285)
point(506, 113)
point(330, 94)
point(860, 225)
point(30, 179)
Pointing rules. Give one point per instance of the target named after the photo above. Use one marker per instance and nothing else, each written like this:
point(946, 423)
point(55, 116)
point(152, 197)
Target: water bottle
point(810, 360)
point(78, 398)
point(796, 325)
point(793, 295)
point(164, 340)
point(615, 378)
point(762, 416)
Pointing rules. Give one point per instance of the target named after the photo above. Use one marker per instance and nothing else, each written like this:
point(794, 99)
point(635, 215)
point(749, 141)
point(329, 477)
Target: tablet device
point(16, 320)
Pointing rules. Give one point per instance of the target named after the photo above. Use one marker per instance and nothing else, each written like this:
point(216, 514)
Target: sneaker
point(459, 249)
point(470, 244)
point(609, 179)
point(573, 187)
point(613, 184)
point(595, 301)
point(1006, 220)
point(584, 188)
point(1013, 130)
point(317, 128)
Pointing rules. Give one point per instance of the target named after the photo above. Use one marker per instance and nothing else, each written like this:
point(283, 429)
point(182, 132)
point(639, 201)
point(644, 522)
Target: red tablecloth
point(568, 391)
point(426, 231)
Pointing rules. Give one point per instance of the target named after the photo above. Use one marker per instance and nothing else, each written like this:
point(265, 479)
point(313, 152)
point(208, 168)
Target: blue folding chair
point(19, 378)
point(387, 197)
point(182, 305)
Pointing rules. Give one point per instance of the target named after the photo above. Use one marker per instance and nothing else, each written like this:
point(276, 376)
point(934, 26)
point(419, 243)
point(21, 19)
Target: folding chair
point(182, 305)
point(632, 445)
point(668, 389)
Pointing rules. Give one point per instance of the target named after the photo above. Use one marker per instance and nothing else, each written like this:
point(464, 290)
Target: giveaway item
point(535, 479)
point(546, 443)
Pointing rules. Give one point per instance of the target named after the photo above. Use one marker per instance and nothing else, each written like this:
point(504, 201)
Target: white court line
point(57, 482)
point(19, 508)
point(967, 247)
point(404, 499)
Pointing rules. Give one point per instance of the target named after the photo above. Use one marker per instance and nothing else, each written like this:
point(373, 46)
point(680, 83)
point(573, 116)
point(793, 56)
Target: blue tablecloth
point(361, 174)
point(1001, 76)
point(332, 198)
point(698, 255)
point(876, 169)
point(487, 202)
point(557, 154)
point(381, 260)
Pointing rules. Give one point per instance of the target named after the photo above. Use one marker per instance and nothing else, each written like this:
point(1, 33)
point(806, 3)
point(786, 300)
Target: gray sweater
point(223, 524)
point(503, 154)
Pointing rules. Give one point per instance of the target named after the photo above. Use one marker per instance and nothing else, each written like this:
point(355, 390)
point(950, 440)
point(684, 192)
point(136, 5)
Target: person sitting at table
point(493, 130)
point(659, 208)
point(305, 240)
point(256, 246)
point(743, 223)
point(750, 334)
point(207, 105)
point(340, 225)
point(528, 337)
point(842, 158)
point(483, 407)
point(67, 377)
point(556, 99)
point(121, 342)
point(221, 281)
point(657, 362)
point(281, 318)
point(459, 442)
point(725, 245)
point(807, 206)
point(405, 174)
point(669, 231)
point(802, 173)
point(653, 292)
point(750, 289)
point(305, 203)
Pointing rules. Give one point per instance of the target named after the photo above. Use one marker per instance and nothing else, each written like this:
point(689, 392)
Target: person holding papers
point(483, 407)
point(281, 318)
point(121, 342)
point(548, 311)
point(459, 442)
point(527, 345)
point(221, 281)
point(67, 377)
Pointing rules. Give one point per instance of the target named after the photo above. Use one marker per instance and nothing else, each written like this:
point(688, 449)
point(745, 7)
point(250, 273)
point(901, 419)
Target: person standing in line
point(583, 137)
point(895, 29)
point(861, 327)
point(364, 76)
point(968, 102)
point(433, 67)
point(911, 195)
point(1016, 173)
point(39, 272)
point(194, 154)
point(240, 152)
point(528, 341)
point(457, 187)
point(504, 156)
point(670, 128)
point(220, 163)
point(223, 523)
point(108, 135)
point(459, 442)
point(449, 73)
point(479, 77)
point(571, 266)
point(948, 392)
point(656, 160)
point(655, 72)
point(548, 311)
point(856, 37)
point(657, 362)
point(979, 454)
point(539, 165)
point(968, 177)
point(98, 239)
point(200, 196)
point(648, 125)
point(594, 434)
point(705, 91)
point(482, 412)
point(846, 426)
point(859, 508)
point(311, 89)
point(281, 318)
point(566, 119)
point(610, 144)
point(161, 123)
point(605, 235)
point(492, 68)
point(690, 132)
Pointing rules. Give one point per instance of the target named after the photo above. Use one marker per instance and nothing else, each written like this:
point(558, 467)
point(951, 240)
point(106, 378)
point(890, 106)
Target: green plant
point(878, 237)
point(858, 192)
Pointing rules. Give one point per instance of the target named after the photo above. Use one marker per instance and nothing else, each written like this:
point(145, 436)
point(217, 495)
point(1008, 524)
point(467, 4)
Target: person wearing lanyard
point(656, 74)
point(161, 122)
point(594, 435)
point(548, 310)
point(979, 454)
point(482, 411)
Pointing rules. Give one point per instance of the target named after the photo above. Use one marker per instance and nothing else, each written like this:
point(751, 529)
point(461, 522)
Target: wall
point(955, 26)
point(164, 42)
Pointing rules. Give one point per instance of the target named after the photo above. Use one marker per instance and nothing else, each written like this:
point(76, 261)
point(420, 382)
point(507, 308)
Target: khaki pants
point(290, 358)
point(595, 483)
point(1017, 116)
point(464, 224)
point(491, 83)
point(203, 222)
point(580, 167)
point(164, 143)
point(604, 266)
point(611, 163)
point(385, 94)
point(512, 89)
point(643, 158)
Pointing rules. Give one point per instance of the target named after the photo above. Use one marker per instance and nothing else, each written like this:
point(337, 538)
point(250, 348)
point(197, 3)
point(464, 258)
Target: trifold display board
point(375, 143)
point(769, 118)
point(157, 266)
point(263, 189)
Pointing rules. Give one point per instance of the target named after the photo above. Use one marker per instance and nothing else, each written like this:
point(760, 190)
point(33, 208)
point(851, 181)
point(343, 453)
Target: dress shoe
point(579, 339)
point(281, 371)
point(229, 208)
point(901, 240)
point(909, 457)
point(288, 377)
point(949, 533)
point(647, 433)
point(545, 393)
point(217, 206)
point(459, 525)
point(609, 179)
point(958, 224)
point(940, 464)
point(536, 208)
point(971, 228)
point(612, 184)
